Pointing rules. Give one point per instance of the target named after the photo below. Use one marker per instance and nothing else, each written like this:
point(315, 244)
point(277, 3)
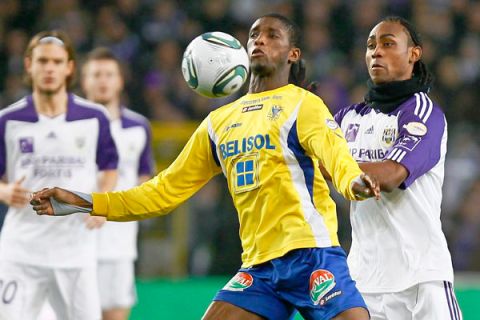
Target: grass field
point(187, 299)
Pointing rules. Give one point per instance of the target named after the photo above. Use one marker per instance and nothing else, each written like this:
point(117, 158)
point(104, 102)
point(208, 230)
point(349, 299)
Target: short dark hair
point(55, 37)
point(419, 68)
point(297, 69)
point(103, 53)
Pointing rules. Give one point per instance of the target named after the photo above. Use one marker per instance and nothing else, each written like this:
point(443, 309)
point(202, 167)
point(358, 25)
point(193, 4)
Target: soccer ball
point(215, 64)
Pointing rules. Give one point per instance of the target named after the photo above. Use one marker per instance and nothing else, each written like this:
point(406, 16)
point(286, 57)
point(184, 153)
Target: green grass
point(187, 299)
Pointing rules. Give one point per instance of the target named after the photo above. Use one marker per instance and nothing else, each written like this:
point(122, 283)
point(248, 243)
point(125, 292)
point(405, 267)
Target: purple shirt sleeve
point(418, 147)
point(3, 151)
point(145, 165)
point(107, 156)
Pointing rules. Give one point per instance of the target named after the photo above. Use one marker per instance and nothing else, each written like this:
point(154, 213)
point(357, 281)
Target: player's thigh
point(116, 282)
point(321, 286)
point(75, 294)
point(22, 290)
point(436, 300)
point(251, 292)
point(227, 311)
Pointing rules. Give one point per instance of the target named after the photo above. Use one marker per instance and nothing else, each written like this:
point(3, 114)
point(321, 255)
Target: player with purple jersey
point(102, 82)
point(50, 138)
point(399, 255)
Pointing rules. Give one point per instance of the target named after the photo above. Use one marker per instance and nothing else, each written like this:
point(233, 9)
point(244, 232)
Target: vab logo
point(239, 282)
point(321, 282)
point(274, 112)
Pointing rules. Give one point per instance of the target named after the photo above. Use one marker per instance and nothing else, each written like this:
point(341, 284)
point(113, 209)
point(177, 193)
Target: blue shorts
point(314, 281)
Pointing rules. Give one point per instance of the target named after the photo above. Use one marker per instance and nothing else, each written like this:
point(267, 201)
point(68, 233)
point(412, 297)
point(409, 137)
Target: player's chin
point(49, 90)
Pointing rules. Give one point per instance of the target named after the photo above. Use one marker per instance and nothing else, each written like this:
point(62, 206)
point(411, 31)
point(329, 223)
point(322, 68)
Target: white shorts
point(72, 292)
point(116, 282)
point(425, 301)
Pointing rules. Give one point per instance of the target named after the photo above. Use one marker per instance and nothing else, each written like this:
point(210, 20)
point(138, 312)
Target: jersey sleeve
point(192, 169)
point(145, 164)
point(419, 143)
point(321, 137)
point(107, 155)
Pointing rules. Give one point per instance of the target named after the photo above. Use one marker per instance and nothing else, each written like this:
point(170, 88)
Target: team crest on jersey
point(352, 131)
point(388, 136)
point(80, 142)
point(240, 282)
point(274, 112)
point(26, 144)
point(321, 282)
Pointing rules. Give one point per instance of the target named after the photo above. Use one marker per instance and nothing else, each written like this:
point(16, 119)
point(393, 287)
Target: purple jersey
point(65, 151)
point(397, 240)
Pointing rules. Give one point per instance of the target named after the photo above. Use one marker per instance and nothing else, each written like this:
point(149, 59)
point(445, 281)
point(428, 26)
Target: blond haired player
point(51, 137)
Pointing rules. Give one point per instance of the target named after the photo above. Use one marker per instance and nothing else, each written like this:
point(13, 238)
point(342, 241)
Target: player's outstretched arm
point(58, 202)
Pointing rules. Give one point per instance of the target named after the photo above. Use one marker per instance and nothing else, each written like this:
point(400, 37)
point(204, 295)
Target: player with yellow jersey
point(268, 145)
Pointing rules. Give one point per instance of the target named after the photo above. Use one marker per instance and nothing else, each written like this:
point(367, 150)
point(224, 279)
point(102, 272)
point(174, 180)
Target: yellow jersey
point(268, 146)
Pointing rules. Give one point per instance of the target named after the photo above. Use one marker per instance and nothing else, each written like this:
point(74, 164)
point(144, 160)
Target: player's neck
point(265, 83)
point(113, 109)
point(51, 105)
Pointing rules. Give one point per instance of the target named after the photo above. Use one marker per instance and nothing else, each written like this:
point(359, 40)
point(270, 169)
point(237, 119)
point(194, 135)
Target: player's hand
point(367, 188)
point(41, 200)
point(94, 222)
point(14, 195)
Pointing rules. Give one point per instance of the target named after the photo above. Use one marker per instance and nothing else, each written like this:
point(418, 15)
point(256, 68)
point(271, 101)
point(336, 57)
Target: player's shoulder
point(421, 106)
point(85, 109)
point(16, 109)
point(131, 118)
point(354, 110)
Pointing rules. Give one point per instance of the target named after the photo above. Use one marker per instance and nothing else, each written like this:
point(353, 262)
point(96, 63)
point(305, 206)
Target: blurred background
point(149, 36)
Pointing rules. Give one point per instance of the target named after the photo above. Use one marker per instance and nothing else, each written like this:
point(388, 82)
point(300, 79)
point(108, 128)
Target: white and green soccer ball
point(215, 64)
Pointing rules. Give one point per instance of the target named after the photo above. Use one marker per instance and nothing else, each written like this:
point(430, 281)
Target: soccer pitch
point(187, 299)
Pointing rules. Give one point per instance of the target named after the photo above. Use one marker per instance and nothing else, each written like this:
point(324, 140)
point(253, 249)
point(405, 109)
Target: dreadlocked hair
point(298, 68)
point(420, 69)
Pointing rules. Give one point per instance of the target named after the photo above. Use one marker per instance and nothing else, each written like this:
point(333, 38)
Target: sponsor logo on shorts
point(321, 282)
point(330, 296)
point(239, 282)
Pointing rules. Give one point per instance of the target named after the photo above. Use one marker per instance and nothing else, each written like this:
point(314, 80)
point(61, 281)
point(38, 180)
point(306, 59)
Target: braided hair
point(298, 68)
point(419, 68)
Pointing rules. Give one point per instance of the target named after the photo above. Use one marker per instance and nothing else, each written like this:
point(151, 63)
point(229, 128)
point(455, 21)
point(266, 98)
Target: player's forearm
point(155, 197)
point(389, 174)
point(107, 180)
point(4, 192)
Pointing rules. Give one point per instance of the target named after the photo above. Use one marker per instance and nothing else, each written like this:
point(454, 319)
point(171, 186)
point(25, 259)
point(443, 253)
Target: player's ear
point(71, 67)
point(27, 62)
point(415, 54)
point(294, 55)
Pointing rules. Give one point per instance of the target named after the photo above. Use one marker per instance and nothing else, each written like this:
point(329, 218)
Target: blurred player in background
point(102, 82)
point(399, 255)
point(268, 145)
point(51, 137)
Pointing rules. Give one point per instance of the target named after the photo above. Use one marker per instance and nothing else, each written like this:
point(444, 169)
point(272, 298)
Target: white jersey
point(397, 241)
point(63, 151)
point(132, 136)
